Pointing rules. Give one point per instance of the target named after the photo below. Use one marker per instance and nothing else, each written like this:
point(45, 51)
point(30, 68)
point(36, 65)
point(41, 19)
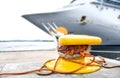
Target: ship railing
point(117, 1)
point(107, 4)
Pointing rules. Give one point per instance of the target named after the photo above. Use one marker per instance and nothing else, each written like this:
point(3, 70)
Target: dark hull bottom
point(106, 51)
point(107, 55)
point(106, 47)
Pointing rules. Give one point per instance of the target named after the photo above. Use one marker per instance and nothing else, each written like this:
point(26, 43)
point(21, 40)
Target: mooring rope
point(101, 63)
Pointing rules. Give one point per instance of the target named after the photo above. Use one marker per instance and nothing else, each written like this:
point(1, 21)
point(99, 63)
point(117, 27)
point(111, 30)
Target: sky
point(14, 27)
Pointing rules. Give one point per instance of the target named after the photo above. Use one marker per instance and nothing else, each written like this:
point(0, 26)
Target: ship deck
point(27, 60)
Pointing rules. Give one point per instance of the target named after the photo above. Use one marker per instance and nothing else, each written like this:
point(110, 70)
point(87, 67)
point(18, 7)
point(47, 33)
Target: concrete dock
point(27, 60)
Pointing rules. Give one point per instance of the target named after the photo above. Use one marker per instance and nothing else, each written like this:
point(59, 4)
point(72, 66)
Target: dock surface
point(27, 60)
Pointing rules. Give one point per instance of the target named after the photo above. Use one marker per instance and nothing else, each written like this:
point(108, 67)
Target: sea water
point(26, 45)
